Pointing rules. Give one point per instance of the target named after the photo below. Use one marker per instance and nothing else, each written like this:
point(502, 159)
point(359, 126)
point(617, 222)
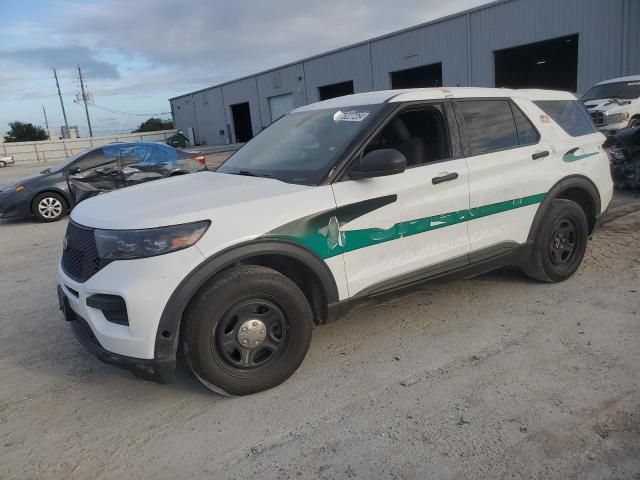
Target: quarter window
point(488, 125)
point(569, 114)
point(527, 133)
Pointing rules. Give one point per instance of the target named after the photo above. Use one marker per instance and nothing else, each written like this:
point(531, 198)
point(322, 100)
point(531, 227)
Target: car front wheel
point(248, 330)
point(560, 243)
point(49, 207)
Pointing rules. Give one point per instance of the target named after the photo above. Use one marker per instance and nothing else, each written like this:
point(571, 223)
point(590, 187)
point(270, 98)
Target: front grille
point(598, 118)
point(80, 258)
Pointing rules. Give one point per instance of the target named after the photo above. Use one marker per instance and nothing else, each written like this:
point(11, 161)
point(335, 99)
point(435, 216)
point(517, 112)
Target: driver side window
point(420, 134)
point(92, 161)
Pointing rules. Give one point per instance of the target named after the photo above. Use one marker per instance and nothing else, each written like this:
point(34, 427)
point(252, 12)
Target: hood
point(606, 104)
point(23, 181)
point(181, 199)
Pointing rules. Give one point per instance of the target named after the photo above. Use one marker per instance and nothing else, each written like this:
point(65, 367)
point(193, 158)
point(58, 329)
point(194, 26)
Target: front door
point(93, 174)
point(399, 228)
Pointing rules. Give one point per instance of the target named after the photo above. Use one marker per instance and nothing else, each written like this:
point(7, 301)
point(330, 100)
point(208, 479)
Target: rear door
point(95, 173)
point(399, 228)
point(509, 172)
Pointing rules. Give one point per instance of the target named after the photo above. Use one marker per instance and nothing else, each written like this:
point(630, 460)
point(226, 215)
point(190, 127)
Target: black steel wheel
point(562, 247)
point(559, 244)
point(247, 330)
point(251, 334)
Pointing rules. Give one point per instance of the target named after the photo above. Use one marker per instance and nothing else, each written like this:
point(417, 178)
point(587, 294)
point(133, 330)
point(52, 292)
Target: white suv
point(339, 202)
point(614, 104)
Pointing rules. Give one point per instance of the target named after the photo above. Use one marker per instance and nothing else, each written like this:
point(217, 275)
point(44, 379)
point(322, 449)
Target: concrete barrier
point(57, 150)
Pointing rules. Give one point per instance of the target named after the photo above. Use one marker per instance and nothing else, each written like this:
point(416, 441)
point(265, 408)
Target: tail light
point(200, 159)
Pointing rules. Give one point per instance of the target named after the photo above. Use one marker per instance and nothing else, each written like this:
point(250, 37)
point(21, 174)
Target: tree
point(153, 124)
point(25, 132)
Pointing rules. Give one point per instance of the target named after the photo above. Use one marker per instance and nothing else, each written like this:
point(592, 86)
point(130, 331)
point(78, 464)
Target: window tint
point(93, 160)
point(489, 125)
point(526, 131)
point(569, 114)
point(420, 135)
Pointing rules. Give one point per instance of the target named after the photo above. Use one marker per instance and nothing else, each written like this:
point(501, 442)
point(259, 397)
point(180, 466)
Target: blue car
point(52, 193)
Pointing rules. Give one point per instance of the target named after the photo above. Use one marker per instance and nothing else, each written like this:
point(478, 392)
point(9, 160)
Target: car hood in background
point(606, 103)
point(182, 199)
point(23, 181)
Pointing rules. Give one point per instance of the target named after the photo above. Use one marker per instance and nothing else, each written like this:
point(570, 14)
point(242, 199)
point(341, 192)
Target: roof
point(632, 78)
point(416, 94)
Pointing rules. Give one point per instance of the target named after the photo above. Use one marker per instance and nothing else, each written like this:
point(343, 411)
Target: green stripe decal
point(570, 157)
point(324, 233)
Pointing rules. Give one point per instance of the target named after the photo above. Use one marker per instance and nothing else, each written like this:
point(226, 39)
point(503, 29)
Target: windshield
point(619, 90)
point(301, 147)
point(61, 166)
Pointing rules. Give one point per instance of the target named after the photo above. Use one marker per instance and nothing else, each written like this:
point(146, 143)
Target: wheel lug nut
point(245, 341)
point(254, 324)
point(256, 342)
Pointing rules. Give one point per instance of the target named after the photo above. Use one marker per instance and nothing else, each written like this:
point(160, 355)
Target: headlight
point(617, 117)
point(130, 244)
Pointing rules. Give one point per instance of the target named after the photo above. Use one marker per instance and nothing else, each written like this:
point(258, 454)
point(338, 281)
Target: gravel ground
point(493, 377)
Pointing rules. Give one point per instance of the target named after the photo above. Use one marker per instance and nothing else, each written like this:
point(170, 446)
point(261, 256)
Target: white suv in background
point(337, 203)
point(614, 104)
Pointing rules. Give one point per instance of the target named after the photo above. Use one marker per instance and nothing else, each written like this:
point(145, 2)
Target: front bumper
point(145, 285)
point(161, 371)
point(14, 205)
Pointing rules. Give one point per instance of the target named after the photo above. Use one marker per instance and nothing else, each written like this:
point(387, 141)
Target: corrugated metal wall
point(342, 66)
point(519, 22)
point(279, 82)
point(209, 113)
point(464, 44)
point(444, 42)
point(244, 90)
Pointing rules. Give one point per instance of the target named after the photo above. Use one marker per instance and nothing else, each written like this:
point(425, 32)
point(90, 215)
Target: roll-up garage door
point(280, 105)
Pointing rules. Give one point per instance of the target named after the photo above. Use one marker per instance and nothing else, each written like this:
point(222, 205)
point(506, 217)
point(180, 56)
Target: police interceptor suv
point(339, 202)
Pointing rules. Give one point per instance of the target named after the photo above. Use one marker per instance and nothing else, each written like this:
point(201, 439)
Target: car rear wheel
point(247, 331)
point(560, 243)
point(49, 207)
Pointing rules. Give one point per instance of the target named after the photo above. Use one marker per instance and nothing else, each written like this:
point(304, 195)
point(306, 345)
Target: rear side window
point(527, 133)
point(569, 114)
point(488, 125)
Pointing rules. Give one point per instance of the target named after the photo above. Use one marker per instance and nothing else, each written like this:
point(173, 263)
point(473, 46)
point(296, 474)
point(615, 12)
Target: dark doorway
point(419, 77)
point(551, 64)
point(242, 122)
point(336, 90)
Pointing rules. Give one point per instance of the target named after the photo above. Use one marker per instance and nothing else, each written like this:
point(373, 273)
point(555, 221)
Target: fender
point(59, 191)
point(572, 181)
point(167, 335)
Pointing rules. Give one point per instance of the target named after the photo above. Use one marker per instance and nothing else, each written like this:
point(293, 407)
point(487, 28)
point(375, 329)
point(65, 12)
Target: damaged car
point(624, 152)
point(52, 193)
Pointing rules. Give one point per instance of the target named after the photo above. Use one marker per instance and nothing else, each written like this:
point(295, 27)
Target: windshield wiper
point(247, 173)
point(46, 170)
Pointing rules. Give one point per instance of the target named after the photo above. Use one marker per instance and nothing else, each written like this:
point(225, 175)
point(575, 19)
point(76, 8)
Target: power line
point(120, 112)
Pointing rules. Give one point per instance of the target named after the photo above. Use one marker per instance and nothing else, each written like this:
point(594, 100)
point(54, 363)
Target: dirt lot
point(494, 377)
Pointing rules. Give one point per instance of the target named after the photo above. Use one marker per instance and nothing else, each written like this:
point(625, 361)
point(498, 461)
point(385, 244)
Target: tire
point(3, 164)
point(559, 244)
point(49, 207)
point(241, 305)
point(634, 122)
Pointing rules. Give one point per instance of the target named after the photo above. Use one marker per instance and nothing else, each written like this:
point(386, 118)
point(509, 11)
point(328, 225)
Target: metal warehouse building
point(557, 44)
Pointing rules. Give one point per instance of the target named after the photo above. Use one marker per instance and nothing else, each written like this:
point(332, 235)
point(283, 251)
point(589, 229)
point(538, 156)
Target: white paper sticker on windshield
point(350, 116)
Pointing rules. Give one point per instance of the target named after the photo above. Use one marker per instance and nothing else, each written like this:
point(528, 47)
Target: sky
point(136, 54)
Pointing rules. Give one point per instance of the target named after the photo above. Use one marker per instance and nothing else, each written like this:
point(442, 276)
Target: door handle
point(537, 155)
point(447, 177)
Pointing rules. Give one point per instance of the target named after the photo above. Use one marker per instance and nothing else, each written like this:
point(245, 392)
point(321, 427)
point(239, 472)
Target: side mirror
point(379, 163)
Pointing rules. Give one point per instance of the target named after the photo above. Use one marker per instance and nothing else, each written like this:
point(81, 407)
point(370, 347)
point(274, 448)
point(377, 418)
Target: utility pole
point(84, 99)
point(64, 114)
point(46, 122)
